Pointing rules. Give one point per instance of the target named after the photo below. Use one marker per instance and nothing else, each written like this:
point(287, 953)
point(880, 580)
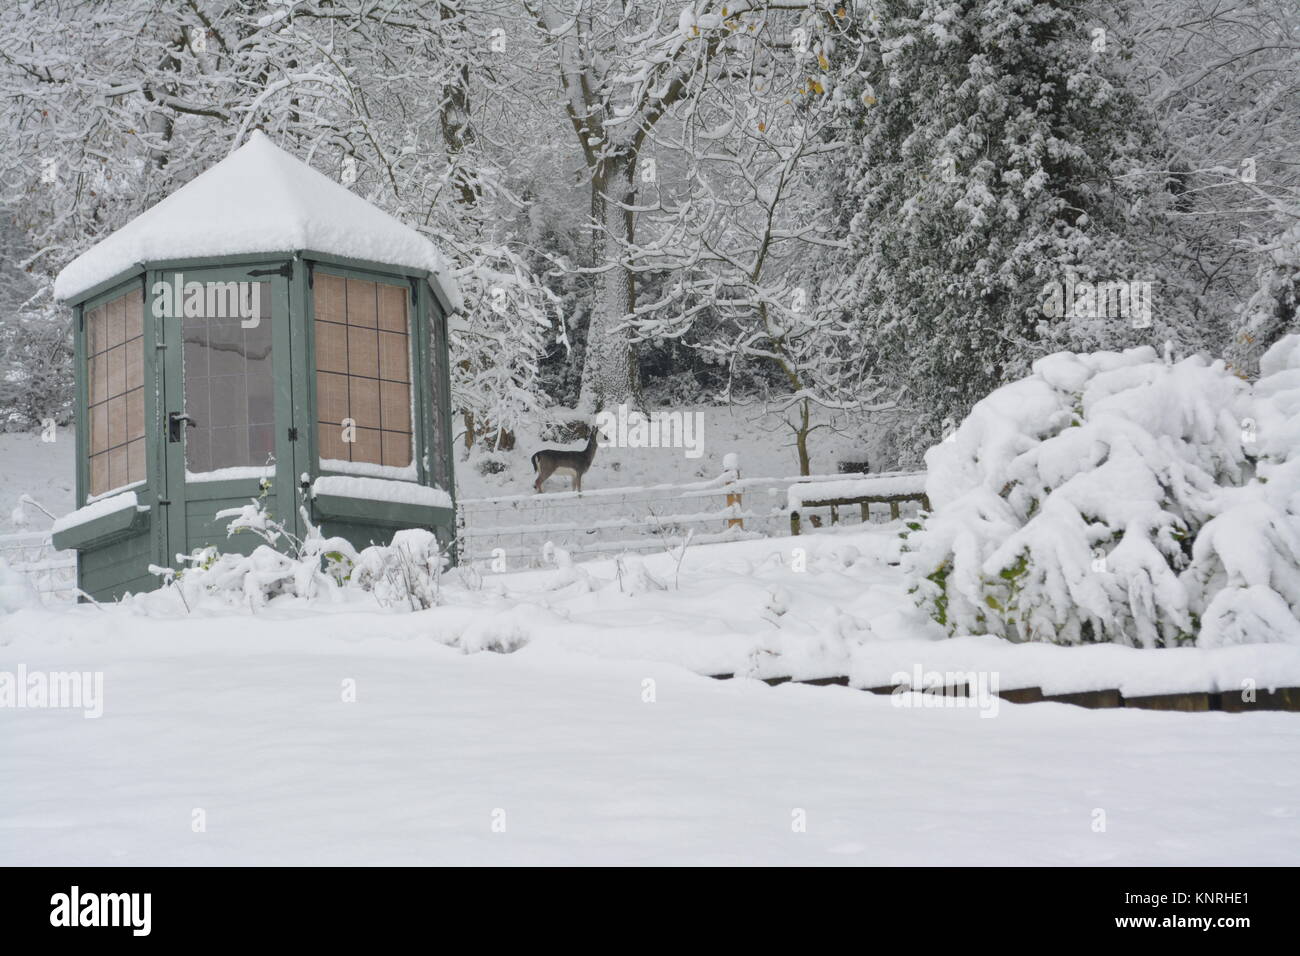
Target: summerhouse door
point(227, 409)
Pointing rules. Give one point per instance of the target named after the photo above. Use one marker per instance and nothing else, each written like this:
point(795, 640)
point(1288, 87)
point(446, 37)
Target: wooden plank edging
point(1230, 702)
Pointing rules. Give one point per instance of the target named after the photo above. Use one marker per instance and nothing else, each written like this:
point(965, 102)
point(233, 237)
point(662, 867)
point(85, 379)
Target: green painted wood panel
point(106, 572)
point(183, 515)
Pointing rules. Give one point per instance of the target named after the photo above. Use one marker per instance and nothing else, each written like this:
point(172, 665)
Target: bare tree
point(744, 239)
point(622, 68)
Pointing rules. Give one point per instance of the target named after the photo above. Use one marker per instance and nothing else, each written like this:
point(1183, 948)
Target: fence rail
point(512, 531)
point(52, 573)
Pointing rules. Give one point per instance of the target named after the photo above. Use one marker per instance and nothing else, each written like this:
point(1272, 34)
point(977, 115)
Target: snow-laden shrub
point(1244, 579)
point(1114, 497)
point(404, 573)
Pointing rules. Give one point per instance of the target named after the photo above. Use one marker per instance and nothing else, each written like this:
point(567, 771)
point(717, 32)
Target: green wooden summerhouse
point(262, 332)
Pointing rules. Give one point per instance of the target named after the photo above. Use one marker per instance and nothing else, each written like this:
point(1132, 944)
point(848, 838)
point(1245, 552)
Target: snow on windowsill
point(367, 470)
point(230, 474)
point(102, 508)
point(380, 489)
point(114, 492)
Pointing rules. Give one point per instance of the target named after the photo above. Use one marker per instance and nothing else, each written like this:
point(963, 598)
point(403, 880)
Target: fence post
point(730, 475)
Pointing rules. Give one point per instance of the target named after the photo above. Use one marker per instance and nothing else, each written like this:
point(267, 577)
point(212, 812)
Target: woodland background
point(832, 211)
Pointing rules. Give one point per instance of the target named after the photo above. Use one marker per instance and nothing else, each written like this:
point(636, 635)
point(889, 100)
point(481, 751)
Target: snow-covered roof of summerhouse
point(257, 199)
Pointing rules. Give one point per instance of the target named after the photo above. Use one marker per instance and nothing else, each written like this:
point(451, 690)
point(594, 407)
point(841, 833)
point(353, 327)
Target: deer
point(558, 461)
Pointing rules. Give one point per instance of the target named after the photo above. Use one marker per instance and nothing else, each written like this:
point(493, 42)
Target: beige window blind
point(363, 371)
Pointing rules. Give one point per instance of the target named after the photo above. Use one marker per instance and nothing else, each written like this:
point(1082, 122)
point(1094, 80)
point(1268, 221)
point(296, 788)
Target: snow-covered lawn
point(564, 743)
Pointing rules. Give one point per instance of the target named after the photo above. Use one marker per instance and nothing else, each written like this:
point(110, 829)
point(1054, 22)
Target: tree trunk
point(609, 372)
point(801, 439)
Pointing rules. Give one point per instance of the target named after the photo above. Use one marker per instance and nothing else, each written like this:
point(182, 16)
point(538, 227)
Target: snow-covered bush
point(404, 573)
point(1119, 497)
point(1244, 579)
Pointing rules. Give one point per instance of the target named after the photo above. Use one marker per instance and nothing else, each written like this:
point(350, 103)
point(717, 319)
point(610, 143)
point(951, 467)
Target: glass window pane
point(114, 341)
point(261, 442)
point(227, 403)
point(364, 401)
point(98, 378)
point(98, 429)
point(134, 308)
point(363, 371)
point(361, 303)
point(331, 398)
point(229, 386)
point(392, 308)
point(116, 322)
point(367, 446)
point(99, 474)
point(394, 357)
point(117, 470)
point(331, 347)
point(135, 460)
point(395, 406)
point(396, 449)
point(134, 365)
point(95, 335)
point(117, 370)
point(117, 421)
point(230, 444)
point(329, 436)
point(363, 352)
point(330, 298)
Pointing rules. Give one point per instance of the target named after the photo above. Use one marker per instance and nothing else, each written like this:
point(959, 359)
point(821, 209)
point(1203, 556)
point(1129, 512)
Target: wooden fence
point(1231, 702)
point(511, 532)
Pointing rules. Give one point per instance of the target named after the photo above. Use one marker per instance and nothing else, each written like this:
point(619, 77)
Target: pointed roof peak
point(258, 199)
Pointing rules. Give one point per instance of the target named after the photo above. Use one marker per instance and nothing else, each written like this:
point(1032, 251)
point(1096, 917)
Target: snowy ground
point(244, 717)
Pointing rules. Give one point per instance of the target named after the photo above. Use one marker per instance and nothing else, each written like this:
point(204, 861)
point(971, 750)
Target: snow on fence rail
point(511, 531)
point(52, 573)
point(889, 489)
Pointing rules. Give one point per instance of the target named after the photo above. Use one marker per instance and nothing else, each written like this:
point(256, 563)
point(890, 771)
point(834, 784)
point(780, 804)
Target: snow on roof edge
point(259, 199)
point(452, 304)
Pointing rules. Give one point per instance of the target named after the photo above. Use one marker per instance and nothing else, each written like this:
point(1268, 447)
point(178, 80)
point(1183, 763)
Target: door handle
point(174, 420)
